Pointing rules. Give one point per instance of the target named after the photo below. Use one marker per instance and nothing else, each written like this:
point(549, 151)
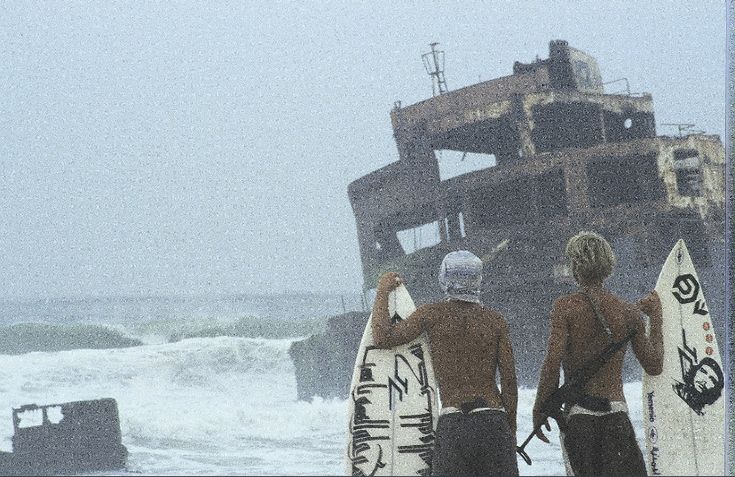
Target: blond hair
point(592, 259)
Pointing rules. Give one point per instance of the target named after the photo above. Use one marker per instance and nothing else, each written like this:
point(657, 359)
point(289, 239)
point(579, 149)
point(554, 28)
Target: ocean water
point(219, 405)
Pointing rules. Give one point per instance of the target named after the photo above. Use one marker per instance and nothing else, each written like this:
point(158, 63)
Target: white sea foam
point(215, 406)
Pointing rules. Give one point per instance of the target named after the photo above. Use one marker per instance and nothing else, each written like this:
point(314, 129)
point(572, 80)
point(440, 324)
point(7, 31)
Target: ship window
point(30, 418)
point(688, 176)
point(507, 203)
point(454, 226)
point(623, 180)
point(563, 125)
point(628, 125)
point(54, 414)
point(456, 163)
point(423, 236)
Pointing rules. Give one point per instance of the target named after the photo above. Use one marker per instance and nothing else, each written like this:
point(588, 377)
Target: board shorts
point(476, 443)
point(601, 443)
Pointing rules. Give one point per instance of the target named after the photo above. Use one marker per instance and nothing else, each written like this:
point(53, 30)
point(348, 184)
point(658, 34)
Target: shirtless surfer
point(469, 343)
point(599, 438)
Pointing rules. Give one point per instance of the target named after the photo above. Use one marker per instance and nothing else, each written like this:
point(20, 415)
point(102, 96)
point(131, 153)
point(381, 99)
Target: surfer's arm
point(649, 349)
point(549, 379)
point(385, 334)
point(508, 382)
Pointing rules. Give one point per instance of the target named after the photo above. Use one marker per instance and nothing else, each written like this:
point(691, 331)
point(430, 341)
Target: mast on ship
point(434, 64)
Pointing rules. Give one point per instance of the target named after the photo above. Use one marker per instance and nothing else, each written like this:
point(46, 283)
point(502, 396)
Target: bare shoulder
point(629, 309)
point(425, 311)
point(566, 303)
point(626, 312)
point(495, 318)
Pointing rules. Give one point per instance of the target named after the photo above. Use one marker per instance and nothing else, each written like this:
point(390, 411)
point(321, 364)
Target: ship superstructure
point(561, 156)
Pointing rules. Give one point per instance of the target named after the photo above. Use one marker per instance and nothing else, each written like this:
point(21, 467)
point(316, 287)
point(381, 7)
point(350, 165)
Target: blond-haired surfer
point(469, 344)
point(599, 438)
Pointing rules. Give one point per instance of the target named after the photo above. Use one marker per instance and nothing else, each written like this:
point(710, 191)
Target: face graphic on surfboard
point(702, 380)
point(708, 377)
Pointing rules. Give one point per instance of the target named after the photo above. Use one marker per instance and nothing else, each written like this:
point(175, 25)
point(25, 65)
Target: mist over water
point(127, 310)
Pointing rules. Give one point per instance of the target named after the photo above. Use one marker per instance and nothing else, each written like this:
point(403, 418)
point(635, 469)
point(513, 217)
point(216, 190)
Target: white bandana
point(461, 275)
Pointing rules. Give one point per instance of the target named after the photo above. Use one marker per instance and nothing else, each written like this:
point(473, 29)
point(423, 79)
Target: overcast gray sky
point(206, 147)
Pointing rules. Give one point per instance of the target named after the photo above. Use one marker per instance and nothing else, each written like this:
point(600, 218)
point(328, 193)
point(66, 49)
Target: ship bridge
point(543, 106)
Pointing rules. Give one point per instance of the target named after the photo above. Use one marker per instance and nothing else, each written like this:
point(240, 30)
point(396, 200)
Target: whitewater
point(221, 405)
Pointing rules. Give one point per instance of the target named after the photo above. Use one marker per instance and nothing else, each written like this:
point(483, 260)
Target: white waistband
point(454, 410)
point(615, 406)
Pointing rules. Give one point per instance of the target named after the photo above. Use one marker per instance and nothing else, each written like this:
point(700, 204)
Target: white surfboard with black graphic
point(392, 406)
point(684, 407)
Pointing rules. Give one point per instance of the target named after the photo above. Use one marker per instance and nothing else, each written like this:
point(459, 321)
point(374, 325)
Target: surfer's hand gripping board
point(389, 281)
point(650, 304)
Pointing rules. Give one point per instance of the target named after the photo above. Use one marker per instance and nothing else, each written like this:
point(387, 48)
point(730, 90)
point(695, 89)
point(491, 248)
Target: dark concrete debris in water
point(323, 363)
point(68, 438)
point(561, 156)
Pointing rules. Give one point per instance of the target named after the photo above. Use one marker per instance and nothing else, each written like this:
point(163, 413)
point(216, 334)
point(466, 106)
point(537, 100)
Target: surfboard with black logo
point(392, 407)
point(684, 406)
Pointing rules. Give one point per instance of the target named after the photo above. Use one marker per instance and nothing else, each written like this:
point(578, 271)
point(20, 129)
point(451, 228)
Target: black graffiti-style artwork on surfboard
point(687, 291)
point(422, 422)
point(368, 432)
point(394, 403)
point(701, 382)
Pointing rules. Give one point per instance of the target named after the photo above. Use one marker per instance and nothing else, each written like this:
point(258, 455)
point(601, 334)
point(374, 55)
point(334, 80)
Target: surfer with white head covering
point(598, 438)
point(460, 276)
point(469, 344)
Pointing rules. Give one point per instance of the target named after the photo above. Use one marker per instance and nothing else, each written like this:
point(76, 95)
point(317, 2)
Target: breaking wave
point(28, 337)
point(245, 327)
point(197, 396)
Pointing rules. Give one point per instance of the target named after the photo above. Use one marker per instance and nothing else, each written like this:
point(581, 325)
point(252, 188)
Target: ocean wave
point(28, 337)
point(173, 330)
point(24, 338)
point(186, 391)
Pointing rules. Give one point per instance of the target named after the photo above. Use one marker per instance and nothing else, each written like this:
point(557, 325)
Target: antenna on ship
point(687, 128)
point(434, 64)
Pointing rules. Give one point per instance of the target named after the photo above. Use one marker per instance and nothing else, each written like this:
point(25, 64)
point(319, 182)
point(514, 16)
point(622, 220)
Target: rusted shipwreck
point(553, 154)
point(69, 438)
